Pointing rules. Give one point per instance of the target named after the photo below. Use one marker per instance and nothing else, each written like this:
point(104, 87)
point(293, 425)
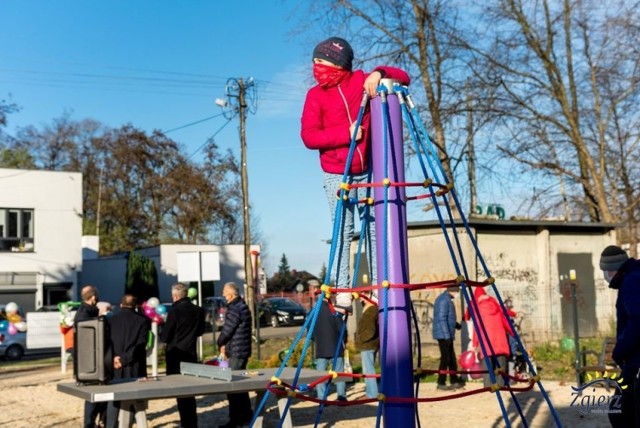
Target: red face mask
point(327, 75)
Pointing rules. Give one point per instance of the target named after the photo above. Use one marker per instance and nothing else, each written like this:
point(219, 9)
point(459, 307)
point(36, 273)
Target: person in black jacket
point(88, 310)
point(129, 333)
point(326, 336)
point(235, 343)
point(185, 323)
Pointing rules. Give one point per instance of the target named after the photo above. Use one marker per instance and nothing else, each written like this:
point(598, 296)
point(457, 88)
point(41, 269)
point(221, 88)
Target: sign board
point(198, 266)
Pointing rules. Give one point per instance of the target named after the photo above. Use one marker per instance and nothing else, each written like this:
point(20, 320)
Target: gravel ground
point(30, 399)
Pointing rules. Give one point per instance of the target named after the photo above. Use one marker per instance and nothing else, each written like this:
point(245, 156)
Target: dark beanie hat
point(612, 258)
point(335, 50)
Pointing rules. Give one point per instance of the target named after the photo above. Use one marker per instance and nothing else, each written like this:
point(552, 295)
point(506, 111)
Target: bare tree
point(566, 77)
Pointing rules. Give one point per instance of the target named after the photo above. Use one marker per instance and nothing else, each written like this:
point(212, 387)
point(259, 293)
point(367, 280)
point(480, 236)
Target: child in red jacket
point(328, 124)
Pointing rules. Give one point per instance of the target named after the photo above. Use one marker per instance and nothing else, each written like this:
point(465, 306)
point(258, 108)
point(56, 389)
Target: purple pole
point(398, 362)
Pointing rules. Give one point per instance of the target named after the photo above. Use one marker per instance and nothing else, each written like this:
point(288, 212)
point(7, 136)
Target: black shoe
point(444, 387)
point(457, 385)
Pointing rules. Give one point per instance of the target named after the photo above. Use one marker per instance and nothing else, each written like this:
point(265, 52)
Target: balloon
point(21, 326)
point(467, 359)
point(157, 319)
point(149, 311)
point(161, 309)
point(68, 321)
point(476, 367)
point(153, 302)
point(12, 329)
point(11, 308)
point(14, 318)
point(192, 293)
point(4, 324)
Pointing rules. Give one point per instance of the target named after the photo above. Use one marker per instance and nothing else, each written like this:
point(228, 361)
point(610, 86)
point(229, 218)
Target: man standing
point(623, 274)
point(235, 343)
point(444, 330)
point(368, 342)
point(88, 310)
point(129, 333)
point(185, 323)
point(326, 336)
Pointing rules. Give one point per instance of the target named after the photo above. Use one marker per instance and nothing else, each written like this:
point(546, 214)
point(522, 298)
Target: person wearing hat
point(328, 123)
point(623, 274)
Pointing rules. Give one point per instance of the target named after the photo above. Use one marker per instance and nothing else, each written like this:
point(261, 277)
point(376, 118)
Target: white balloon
point(21, 326)
point(153, 302)
point(68, 321)
point(11, 308)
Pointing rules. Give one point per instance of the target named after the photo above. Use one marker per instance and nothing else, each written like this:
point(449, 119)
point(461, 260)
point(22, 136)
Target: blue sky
point(161, 65)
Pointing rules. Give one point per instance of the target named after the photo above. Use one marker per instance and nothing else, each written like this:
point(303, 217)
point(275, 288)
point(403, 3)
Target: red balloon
point(467, 359)
point(157, 319)
point(476, 367)
point(149, 311)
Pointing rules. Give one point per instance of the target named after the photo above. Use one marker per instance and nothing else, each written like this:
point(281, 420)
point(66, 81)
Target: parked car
point(281, 311)
point(13, 346)
point(215, 309)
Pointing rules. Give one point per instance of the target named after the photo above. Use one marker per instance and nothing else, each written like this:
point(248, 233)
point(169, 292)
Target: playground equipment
point(399, 380)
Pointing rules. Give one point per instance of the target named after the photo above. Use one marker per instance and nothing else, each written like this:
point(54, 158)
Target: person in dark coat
point(444, 331)
point(88, 310)
point(623, 274)
point(129, 331)
point(326, 336)
point(185, 323)
point(235, 344)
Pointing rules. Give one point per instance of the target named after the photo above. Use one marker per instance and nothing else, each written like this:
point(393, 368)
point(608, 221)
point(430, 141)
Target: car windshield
point(283, 303)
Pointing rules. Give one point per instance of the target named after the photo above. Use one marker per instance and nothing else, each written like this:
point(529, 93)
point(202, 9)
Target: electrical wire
point(192, 123)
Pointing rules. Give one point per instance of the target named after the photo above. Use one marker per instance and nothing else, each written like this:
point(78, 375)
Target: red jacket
point(495, 323)
point(326, 121)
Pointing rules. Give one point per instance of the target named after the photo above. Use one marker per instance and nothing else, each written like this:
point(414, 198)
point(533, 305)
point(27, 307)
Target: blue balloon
point(4, 325)
point(161, 309)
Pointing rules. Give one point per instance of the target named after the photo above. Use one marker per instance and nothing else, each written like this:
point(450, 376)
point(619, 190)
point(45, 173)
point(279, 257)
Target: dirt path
point(30, 399)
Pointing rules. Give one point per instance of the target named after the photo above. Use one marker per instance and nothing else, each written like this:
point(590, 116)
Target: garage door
point(26, 300)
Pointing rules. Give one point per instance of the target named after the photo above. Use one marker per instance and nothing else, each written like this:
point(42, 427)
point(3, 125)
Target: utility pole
point(238, 93)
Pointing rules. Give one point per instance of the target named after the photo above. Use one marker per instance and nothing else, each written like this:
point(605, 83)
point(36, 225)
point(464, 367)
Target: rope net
point(443, 197)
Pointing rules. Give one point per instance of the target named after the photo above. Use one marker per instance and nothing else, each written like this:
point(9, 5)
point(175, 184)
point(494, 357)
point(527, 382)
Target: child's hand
point(372, 82)
point(359, 134)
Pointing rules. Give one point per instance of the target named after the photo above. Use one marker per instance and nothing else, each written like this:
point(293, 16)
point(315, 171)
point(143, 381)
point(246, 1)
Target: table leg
point(124, 416)
point(282, 403)
point(258, 400)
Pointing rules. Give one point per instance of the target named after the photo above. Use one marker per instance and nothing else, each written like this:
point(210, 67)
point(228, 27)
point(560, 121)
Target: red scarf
point(328, 75)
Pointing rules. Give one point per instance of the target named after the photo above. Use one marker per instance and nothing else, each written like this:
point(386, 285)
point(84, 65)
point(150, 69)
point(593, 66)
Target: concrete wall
point(56, 198)
point(531, 264)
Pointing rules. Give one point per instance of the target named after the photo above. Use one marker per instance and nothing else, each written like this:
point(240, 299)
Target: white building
point(40, 236)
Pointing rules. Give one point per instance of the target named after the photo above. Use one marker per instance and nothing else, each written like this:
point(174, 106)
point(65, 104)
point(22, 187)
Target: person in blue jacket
point(623, 274)
point(444, 331)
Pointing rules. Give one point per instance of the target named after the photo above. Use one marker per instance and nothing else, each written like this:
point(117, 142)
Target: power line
point(210, 139)
point(192, 123)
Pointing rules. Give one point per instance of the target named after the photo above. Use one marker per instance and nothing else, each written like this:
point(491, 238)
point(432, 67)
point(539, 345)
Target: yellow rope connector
point(292, 393)
point(447, 188)
point(534, 379)
point(276, 380)
point(499, 371)
point(345, 186)
point(490, 280)
point(386, 182)
point(495, 387)
point(427, 182)
point(460, 279)
point(333, 374)
point(370, 201)
point(381, 396)
point(355, 295)
point(326, 288)
point(385, 284)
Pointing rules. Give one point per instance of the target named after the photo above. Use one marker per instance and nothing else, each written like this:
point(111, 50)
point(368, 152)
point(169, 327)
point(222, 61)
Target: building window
point(16, 229)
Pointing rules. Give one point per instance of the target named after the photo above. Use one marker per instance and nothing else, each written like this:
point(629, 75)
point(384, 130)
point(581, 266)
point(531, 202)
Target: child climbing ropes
point(328, 123)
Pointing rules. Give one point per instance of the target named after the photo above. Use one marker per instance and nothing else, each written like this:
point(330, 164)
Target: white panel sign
point(190, 263)
point(189, 267)
point(210, 265)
